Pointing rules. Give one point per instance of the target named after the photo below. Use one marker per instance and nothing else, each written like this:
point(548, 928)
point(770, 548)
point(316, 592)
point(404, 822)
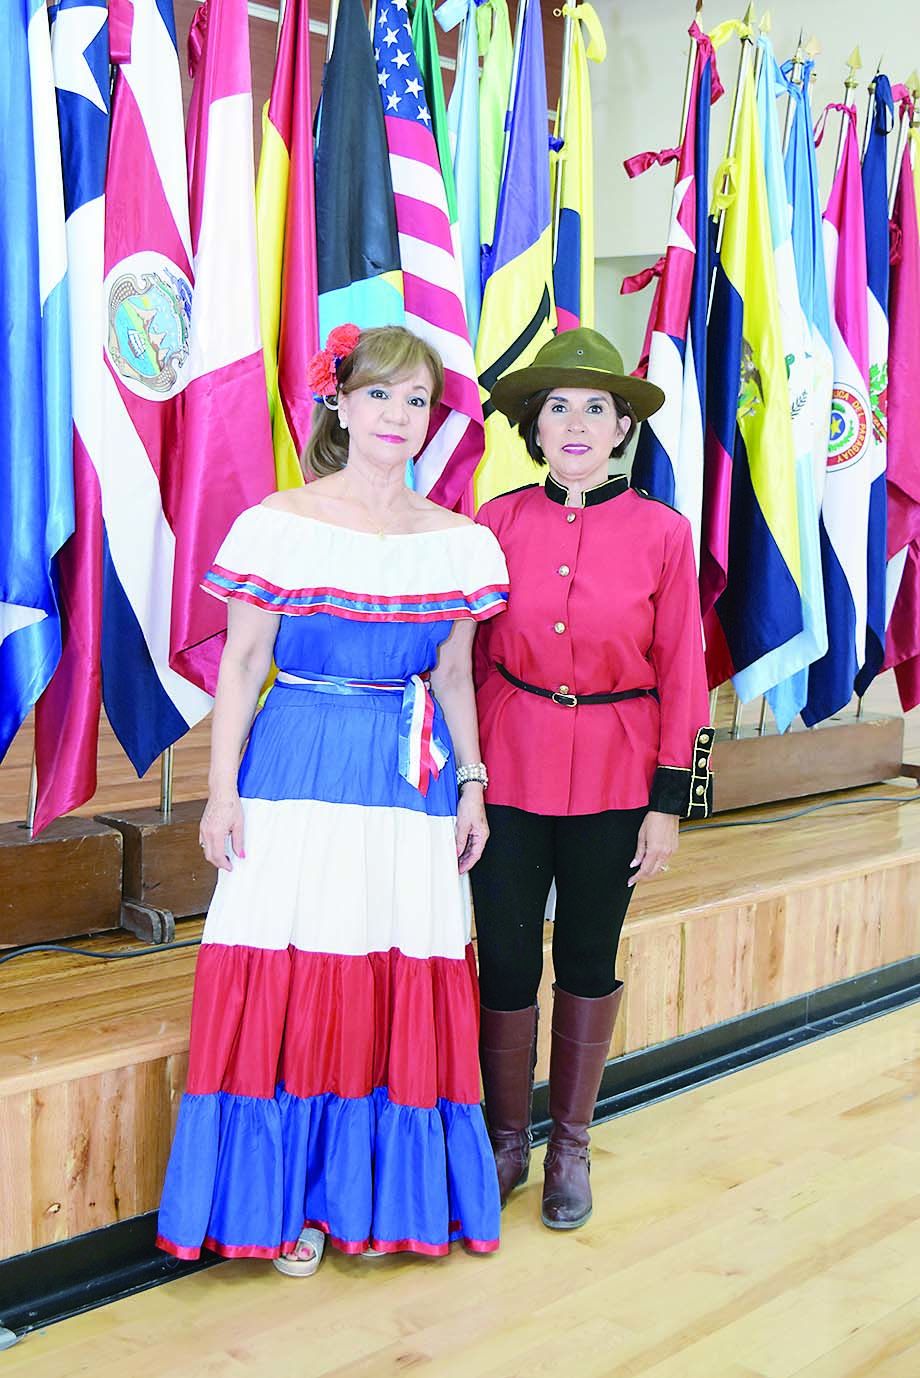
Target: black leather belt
point(574, 700)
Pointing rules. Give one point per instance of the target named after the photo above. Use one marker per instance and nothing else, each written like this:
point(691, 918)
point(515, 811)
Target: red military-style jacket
point(604, 598)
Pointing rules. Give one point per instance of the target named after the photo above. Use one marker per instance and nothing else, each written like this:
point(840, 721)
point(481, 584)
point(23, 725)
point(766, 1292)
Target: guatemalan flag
point(669, 452)
point(875, 208)
point(845, 510)
point(146, 362)
point(36, 477)
point(759, 612)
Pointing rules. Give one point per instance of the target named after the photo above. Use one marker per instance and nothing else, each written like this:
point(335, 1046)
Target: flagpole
point(372, 18)
point(568, 38)
point(870, 107)
point(798, 63)
point(903, 132)
point(512, 90)
point(688, 80)
point(746, 44)
point(33, 796)
point(854, 63)
point(166, 783)
point(333, 20)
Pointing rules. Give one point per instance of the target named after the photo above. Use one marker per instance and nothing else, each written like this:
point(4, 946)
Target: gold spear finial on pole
point(854, 63)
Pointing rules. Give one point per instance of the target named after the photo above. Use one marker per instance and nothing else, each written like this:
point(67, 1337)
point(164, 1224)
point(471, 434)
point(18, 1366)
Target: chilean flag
point(669, 453)
point(845, 511)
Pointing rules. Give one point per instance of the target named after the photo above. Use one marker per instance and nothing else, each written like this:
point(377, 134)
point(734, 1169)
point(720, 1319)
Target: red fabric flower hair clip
point(322, 370)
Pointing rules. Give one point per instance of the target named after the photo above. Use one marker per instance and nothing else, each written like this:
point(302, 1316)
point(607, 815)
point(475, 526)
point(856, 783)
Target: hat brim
point(512, 392)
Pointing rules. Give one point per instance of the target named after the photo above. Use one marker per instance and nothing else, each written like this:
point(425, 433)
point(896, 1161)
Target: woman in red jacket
point(593, 718)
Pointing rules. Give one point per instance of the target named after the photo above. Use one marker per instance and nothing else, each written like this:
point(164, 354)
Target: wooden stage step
point(93, 1054)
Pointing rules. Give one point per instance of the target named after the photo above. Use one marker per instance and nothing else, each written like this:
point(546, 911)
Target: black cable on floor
point(800, 813)
point(104, 956)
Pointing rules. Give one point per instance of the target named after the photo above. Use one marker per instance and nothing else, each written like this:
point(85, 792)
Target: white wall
point(637, 95)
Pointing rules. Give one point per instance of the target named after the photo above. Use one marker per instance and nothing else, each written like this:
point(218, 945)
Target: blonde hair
point(384, 354)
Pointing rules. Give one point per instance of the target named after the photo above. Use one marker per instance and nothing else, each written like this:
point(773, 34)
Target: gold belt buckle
point(566, 700)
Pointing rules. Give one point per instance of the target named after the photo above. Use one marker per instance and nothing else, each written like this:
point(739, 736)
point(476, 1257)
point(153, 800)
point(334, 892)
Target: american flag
point(432, 278)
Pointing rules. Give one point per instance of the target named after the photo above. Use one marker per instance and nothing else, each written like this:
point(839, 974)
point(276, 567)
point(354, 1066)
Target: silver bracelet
point(476, 774)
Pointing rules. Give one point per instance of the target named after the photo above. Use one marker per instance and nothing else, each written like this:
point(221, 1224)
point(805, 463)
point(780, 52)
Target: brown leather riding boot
point(582, 1030)
point(507, 1056)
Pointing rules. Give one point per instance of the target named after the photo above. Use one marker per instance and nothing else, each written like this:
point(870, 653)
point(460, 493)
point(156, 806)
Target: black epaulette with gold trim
point(686, 792)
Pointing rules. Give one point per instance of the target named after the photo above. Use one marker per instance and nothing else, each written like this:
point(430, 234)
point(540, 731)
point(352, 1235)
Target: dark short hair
point(530, 415)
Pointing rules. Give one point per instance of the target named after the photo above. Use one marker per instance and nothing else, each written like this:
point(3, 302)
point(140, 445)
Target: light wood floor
point(764, 1226)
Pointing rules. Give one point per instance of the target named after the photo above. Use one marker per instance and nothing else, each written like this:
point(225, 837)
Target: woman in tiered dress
point(333, 1087)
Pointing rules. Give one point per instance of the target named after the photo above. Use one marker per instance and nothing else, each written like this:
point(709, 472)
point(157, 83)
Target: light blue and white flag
point(36, 471)
point(463, 128)
point(788, 672)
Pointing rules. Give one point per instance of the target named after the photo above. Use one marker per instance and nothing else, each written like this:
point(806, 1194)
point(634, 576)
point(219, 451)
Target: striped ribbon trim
point(422, 754)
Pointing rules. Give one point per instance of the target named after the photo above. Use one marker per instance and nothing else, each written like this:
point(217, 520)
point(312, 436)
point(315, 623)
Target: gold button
point(702, 763)
point(563, 569)
point(559, 628)
point(571, 516)
point(704, 738)
point(701, 789)
point(563, 689)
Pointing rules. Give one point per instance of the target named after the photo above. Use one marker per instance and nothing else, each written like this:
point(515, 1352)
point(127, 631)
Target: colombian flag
point(518, 315)
point(760, 609)
point(573, 190)
point(286, 230)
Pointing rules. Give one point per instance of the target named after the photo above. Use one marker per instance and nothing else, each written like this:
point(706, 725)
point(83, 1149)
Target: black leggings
point(589, 857)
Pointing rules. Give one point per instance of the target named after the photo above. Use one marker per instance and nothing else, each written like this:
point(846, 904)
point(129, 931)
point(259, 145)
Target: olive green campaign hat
point(579, 358)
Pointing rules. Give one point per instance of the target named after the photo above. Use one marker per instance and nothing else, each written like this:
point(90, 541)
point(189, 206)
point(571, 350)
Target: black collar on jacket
point(591, 497)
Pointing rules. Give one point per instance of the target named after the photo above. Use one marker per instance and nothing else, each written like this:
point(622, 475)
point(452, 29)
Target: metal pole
point(372, 18)
point(854, 62)
point(568, 38)
point(903, 130)
point(762, 724)
point(746, 44)
point(33, 796)
point(713, 703)
point(166, 783)
point(870, 110)
point(736, 719)
point(798, 63)
point(688, 80)
point(515, 65)
point(333, 20)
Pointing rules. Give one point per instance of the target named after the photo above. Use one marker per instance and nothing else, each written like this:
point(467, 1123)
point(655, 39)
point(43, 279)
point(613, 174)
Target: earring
point(343, 423)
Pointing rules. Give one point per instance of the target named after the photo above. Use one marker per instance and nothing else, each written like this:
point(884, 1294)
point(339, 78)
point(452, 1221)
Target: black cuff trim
point(686, 792)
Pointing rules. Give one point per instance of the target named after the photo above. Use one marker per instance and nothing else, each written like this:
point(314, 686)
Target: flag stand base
point(165, 874)
point(61, 884)
point(840, 754)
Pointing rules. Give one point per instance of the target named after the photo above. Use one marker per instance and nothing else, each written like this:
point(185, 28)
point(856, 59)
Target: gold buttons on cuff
point(571, 516)
point(701, 789)
point(701, 762)
point(563, 569)
point(558, 628)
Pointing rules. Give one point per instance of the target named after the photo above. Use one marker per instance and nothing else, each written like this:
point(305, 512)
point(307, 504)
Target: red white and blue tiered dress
point(333, 1070)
